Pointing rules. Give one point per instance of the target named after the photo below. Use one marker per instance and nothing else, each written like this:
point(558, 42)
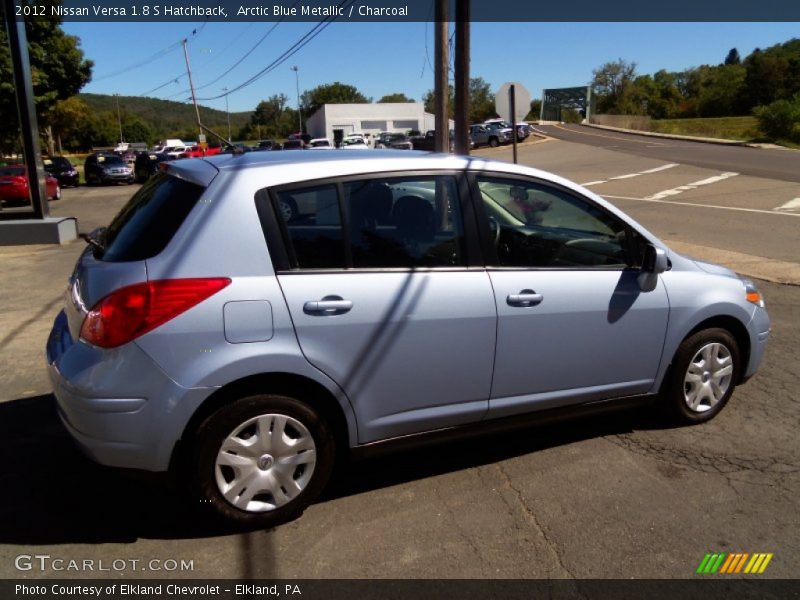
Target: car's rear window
point(149, 220)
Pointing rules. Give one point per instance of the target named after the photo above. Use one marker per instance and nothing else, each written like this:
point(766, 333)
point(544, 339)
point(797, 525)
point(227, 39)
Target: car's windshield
point(352, 141)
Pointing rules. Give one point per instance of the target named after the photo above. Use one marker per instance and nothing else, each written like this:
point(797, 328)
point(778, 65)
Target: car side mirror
point(655, 262)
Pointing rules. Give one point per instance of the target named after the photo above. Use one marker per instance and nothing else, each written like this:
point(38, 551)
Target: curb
point(674, 136)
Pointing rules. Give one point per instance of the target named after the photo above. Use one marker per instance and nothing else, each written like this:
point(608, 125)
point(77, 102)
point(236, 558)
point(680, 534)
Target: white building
point(369, 118)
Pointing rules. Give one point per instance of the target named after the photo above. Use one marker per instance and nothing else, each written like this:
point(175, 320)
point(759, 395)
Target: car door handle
point(524, 298)
point(327, 306)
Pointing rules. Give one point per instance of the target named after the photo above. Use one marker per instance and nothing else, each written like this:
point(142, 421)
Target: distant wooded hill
point(165, 118)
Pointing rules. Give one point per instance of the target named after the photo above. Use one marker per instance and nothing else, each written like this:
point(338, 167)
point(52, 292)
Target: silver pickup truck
point(490, 135)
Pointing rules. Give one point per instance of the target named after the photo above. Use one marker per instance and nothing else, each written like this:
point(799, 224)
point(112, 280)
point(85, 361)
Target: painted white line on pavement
point(631, 175)
point(661, 168)
point(736, 208)
point(691, 186)
point(790, 205)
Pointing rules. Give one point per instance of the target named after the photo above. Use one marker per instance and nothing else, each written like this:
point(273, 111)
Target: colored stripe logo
point(733, 563)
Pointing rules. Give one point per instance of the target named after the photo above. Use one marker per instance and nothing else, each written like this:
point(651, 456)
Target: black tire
point(494, 142)
point(216, 428)
point(674, 391)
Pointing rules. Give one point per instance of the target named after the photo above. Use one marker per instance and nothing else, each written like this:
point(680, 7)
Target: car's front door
point(573, 323)
point(384, 303)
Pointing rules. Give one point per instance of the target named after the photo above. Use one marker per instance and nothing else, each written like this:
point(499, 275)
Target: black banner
point(391, 589)
point(409, 10)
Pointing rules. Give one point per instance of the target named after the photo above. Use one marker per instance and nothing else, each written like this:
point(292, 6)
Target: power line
point(150, 59)
point(236, 64)
point(297, 46)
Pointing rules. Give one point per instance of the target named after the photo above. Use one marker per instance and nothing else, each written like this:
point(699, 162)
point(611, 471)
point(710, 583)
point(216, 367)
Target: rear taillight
point(134, 310)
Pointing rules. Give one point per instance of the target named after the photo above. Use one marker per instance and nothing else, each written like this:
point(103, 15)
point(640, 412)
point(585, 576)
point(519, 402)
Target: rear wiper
point(93, 238)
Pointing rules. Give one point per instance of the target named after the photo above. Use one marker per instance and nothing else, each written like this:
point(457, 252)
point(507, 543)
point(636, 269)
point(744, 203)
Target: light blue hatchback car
point(245, 318)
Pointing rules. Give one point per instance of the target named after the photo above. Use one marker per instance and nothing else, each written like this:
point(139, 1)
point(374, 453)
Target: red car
point(198, 152)
point(14, 185)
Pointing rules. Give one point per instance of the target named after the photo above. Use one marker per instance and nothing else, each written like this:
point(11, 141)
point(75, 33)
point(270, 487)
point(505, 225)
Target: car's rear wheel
point(262, 460)
point(703, 376)
point(494, 142)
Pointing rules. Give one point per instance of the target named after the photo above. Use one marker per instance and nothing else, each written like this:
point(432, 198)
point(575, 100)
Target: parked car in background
point(320, 144)
point(147, 165)
point(486, 135)
point(294, 144)
point(397, 141)
point(428, 141)
point(265, 145)
point(415, 297)
point(354, 142)
point(175, 151)
point(236, 148)
point(14, 189)
point(63, 170)
point(129, 156)
point(103, 168)
point(523, 129)
point(160, 146)
point(197, 151)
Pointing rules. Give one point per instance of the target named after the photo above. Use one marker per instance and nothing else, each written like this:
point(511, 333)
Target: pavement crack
point(535, 520)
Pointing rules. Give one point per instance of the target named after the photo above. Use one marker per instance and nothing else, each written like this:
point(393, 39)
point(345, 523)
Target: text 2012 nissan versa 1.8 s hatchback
point(410, 296)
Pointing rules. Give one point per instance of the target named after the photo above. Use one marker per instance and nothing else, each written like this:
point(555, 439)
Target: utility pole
point(462, 77)
point(299, 110)
point(119, 119)
point(228, 113)
point(191, 86)
point(441, 87)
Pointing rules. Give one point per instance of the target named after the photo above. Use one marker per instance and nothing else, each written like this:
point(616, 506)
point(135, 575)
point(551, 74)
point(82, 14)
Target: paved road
point(780, 164)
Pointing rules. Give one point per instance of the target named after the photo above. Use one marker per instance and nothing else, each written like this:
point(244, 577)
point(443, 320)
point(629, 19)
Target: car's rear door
point(377, 277)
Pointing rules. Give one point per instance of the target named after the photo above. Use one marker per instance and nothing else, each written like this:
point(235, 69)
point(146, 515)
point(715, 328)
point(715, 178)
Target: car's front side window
point(534, 225)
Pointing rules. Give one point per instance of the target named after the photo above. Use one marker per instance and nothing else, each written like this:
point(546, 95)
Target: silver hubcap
point(265, 463)
point(708, 377)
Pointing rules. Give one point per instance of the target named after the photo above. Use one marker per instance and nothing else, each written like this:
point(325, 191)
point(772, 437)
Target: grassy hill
point(165, 117)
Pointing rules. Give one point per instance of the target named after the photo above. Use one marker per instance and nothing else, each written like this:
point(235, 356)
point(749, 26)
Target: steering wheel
point(494, 227)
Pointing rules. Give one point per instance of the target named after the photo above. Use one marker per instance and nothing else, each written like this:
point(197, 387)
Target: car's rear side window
point(149, 220)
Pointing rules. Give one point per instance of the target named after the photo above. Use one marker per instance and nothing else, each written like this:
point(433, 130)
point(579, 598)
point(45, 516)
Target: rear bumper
point(119, 407)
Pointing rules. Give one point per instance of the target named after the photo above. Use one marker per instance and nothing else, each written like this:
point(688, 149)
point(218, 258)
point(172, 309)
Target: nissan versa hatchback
point(410, 297)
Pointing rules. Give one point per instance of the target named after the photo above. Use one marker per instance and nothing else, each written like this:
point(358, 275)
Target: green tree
point(269, 116)
point(780, 120)
point(610, 83)
point(536, 109)
point(481, 100)
point(66, 118)
point(330, 93)
point(733, 57)
point(135, 129)
point(58, 68)
point(396, 97)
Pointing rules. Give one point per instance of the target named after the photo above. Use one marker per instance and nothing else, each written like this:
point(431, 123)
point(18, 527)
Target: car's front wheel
point(703, 376)
point(262, 460)
point(494, 142)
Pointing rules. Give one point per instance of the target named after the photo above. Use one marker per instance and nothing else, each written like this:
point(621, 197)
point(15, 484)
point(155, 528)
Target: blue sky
point(381, 58)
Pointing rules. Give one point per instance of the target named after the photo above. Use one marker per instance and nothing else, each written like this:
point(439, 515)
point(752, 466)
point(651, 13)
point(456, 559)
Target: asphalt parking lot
point(614, 497)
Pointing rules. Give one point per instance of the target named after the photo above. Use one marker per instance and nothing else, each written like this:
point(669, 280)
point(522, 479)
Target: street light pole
point(299, 110)
point(228, 112)
point(119, 119)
